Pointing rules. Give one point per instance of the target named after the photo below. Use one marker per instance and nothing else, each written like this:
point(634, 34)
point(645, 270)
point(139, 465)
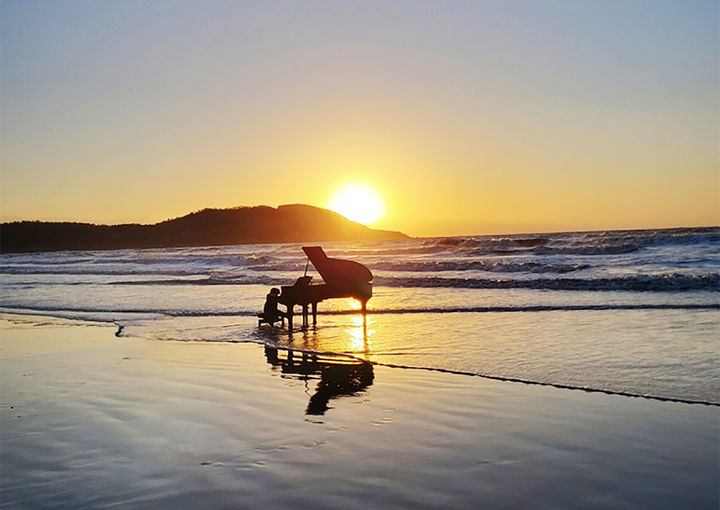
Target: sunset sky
point(468, 117)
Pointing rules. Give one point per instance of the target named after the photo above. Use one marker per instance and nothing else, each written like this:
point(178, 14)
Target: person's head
point(275, 291)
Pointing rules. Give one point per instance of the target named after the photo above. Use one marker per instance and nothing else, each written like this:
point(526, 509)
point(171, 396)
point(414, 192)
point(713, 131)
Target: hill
point(209, 227)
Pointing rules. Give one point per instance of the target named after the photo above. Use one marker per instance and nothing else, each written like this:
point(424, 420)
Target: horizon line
point(4, 221)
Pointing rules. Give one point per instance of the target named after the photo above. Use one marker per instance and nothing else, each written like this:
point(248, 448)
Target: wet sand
point(91, 420)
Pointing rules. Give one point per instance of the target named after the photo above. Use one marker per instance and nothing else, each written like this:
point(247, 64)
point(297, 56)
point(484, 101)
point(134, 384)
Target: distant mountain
point(209, 227)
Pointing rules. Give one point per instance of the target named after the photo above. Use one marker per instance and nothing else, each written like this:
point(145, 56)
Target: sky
point(468, 117)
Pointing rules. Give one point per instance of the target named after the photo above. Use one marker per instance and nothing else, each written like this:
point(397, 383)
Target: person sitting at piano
point(270, 310)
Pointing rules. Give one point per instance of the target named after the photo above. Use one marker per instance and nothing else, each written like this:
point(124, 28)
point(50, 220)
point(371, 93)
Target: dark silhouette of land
point(210, 227)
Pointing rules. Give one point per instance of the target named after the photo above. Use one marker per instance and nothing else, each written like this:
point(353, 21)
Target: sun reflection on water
point(358, 334)
point(353, 304)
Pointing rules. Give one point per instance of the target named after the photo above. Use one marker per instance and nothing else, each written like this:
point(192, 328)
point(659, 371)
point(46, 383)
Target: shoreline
point(530, 382)
point(91, 419)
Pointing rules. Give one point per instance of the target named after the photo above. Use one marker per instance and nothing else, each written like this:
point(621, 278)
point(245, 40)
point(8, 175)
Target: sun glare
point(358, 202)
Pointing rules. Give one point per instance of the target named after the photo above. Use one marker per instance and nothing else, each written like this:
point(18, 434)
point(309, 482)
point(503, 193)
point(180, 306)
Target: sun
point(358, 202)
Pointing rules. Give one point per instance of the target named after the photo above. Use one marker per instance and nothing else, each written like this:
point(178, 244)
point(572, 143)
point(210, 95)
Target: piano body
point(343, 279)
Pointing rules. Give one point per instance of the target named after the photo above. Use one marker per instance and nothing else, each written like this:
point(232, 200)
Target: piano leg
point(290, 317)
point(314, 312)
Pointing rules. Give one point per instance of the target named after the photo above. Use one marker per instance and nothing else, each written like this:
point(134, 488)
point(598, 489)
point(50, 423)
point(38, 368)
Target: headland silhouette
point(208, 227)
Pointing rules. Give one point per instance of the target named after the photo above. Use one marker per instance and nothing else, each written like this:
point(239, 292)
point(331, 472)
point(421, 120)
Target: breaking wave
point(637, 283)
point(178, 312)
point(481, 265)
point(433, 266)
point(657, 283)
point(587, 243)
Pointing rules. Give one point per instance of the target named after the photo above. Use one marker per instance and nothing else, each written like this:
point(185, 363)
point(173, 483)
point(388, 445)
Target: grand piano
point(343, 279)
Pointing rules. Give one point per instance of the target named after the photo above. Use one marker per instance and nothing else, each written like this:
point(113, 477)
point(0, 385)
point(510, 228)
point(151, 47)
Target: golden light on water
point(357, 335)
point(353, 304)
point(358, 202)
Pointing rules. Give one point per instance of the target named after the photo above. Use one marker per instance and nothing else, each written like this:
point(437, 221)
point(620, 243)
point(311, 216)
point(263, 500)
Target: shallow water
point(88, 420)
point(631, 312)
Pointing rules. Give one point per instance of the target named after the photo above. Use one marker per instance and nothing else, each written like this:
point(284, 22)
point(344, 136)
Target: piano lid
point(337, 271)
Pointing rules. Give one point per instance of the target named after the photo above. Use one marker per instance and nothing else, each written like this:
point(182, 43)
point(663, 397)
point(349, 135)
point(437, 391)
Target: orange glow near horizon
point(358, 202)
point(463, 119)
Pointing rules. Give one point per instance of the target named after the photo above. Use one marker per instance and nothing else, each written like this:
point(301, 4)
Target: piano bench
point(262, 320)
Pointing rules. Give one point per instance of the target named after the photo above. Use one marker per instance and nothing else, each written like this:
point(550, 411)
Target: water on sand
point(88, 420)
point(326, 418)
point(632, 312)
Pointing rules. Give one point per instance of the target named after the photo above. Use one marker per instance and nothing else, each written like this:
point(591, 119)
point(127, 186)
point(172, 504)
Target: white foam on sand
point(88, 419)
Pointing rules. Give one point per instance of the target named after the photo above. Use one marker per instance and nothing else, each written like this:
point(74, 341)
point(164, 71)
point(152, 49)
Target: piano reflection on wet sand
point(343, 279)
point(339, 375)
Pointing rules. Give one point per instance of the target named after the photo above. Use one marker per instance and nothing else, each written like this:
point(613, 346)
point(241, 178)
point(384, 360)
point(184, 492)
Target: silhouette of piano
point(339, 376)
point(343, 279)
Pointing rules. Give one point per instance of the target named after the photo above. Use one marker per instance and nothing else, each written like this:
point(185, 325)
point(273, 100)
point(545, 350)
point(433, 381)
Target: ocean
point(628, 312)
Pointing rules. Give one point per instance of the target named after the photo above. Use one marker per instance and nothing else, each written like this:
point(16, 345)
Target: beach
point(359, 255)
point(628, 312)
point(93, 420)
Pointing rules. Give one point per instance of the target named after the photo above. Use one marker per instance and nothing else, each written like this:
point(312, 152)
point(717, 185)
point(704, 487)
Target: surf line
point(533, 308)
point(501, 378)
point(555, 385)
point(33, 310)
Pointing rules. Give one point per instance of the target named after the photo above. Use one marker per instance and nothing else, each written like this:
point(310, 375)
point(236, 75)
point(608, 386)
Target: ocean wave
point(490, 245)
point(234, 280)
point(578, 243)
point(399, 250)
point(205, 260)
point(638, 283)
point(671, 282)
point(41, 263)
point(91, 271)
point(190, 268)
point(10, 260)
point(704, 235)
point(594, 249)
point(542, 246)
point(479, 265)
point(21, 308)
point(278, 267)
point(432, 266)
